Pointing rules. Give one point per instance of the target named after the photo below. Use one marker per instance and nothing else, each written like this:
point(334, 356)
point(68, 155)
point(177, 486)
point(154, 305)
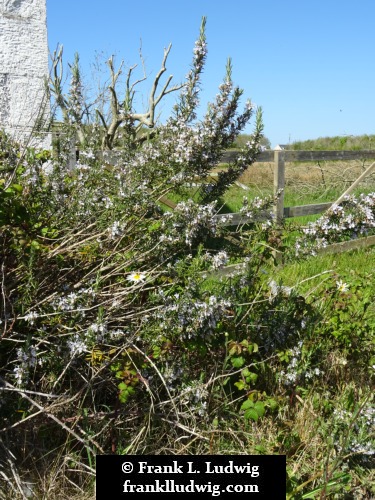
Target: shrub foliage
point(119, 334)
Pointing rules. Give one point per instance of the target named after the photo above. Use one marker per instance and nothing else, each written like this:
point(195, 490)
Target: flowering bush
point(177, 151)
point(353, 218)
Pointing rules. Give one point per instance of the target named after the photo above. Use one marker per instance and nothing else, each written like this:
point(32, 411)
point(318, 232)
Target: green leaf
point(238, 362)
point(260, 449)
point(247, 404)
point(35, 244)
point(259, 407)
point(252, 378)
point(338, 480)
point(251, 414)
point(123, 396)
point(156, 351)
point(252, 348)
point(240, 385)
point(14, 188)
point(131, 390)
point(234, 350)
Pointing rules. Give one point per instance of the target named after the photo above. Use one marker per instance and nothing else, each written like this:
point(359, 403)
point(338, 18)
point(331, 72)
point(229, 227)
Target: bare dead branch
point(124, 113)
point(104, 123)
point(137, 82)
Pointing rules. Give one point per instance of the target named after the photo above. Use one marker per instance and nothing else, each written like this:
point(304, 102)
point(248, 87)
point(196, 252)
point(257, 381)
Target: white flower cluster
point(82, 168)
point(195, 396)
point(31, 317)
point(115, 230)
point(27, 359)
point(354, 217)
point(76, 99)
point(200, 52)
point(96, 333)
point(362, 429)
point(291, 374)
point(197, 218)
point(72, 301)
point(193, 318)
point(108, 203)
point(219, 260)
point(171, 377)
point(225, 90)
point(295, 371)
point(77, 346)
point(31, 175)
point(180, 149)
point(100, 331)
point(277, 290)
point(89, 154)
point(250, 208)
point(116, 334)
point(189, 95)
point(189, 221)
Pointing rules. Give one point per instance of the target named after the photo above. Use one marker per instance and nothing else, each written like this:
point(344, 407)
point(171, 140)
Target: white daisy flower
point(341, 286)
point(136, 277)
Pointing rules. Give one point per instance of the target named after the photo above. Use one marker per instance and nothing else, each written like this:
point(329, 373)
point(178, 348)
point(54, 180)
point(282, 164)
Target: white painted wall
point(23, 65)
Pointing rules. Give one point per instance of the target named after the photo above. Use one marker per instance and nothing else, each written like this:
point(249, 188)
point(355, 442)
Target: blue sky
point(310, 64)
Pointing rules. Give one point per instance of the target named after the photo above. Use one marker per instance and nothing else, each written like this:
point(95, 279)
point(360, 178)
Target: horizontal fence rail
point(345, 246)
point(268, 155)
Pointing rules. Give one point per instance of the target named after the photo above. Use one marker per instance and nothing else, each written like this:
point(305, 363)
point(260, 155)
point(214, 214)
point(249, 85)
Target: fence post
point(279, 184)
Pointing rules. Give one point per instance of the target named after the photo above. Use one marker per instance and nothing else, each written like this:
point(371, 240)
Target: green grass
point(293, 196)
point(322, 266)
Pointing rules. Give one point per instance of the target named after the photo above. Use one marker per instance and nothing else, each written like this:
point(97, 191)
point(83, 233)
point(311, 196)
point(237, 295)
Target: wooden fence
point(279, 157)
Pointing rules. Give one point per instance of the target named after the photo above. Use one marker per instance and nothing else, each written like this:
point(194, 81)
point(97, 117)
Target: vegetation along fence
point(279, 157)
